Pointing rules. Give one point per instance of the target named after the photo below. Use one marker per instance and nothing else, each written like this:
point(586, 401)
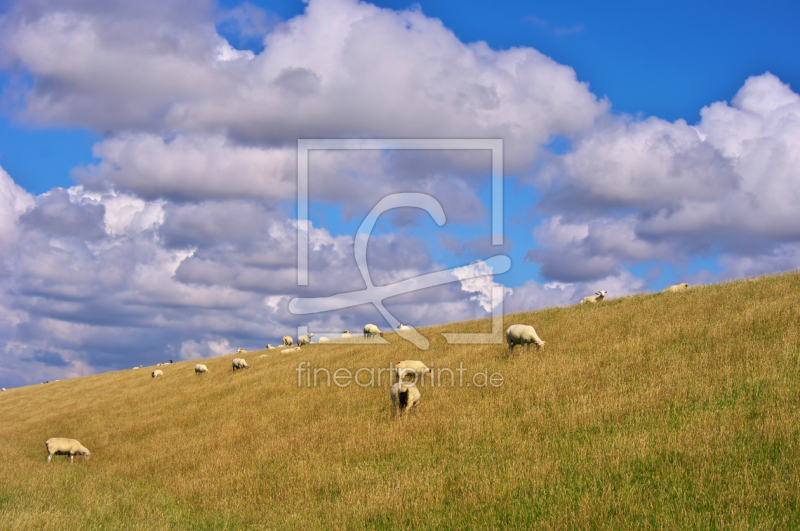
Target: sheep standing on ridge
point(404, 397)
point(156, 373)
point(676, 287)
point(346, 333)
point(200, 368)
point(269, 347)
point(522, 335)
point(305, 340)
point(401, 326)
point(597, 297)
point(239, 363)
point(371, 330)
point(62, 446)
point(241, 351)
point(410, 367)
point(287, 340)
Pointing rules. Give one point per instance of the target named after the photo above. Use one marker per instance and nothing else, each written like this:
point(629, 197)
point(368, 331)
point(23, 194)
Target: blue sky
point(644, 145)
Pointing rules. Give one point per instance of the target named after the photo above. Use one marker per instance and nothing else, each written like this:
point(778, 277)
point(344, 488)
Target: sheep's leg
point(70, 458)
point(49, 456)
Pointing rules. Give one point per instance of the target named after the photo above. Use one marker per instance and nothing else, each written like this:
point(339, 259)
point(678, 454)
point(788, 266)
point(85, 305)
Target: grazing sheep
point(269, 347)
point(597, 297)
point(170, 361)
point(139, 367)
point(410, 367)
point(157, 372)
point(404, 397)
point(290, 350)
point(401, 326)
point(241, 351)
point(3, 389)
point(522, 335)
point(324, 340)
point(346, 333)
point(287, 340)
point(200, 368)
point(62, 446)
point(239, 363)
point(371, 330)
point(305, 340)
point(676, 287)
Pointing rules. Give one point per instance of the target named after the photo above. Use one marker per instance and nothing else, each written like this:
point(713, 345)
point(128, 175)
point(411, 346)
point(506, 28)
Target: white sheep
point(371, 330)
point(156, 373)
point(241, 351)
point(263, 356)
point(139, 367)
point(62, 446)
point(401, 326)
point(200, 368)
point(239, 363)
point(3, 389)
point(305, 340)
point(269, 347)
point(676, 287)
point(522, 335)
point(290, 350)
point(346, 333)
point(404, 396)
point(287, 340)
point(597, 297)
point(324, 340)
point(410, 367)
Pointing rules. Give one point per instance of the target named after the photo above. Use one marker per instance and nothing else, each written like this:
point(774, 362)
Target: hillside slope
point(657, 411)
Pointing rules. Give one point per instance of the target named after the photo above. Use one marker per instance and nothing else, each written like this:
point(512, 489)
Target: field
point(662, 411)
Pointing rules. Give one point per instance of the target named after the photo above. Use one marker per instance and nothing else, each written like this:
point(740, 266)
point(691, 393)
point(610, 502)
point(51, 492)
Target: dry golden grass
point(665, 411)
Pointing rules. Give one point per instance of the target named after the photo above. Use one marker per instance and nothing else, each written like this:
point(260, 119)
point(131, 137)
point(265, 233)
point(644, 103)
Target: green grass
point(664, 411)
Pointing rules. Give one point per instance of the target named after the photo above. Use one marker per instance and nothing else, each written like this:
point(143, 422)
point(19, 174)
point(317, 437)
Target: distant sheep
point(139, 367)
point(200, 368)
point(346, 333)
point(305, 340)
point(401, 326)
point(239, 363)
point(410, 367)
point(269, 347)
point(287, 340)
point(263, 356)
point(290, 350)
point(404, 397)
point(62, 446)
point(522, 335)
point(156, 373)
point(3, 389)
point(324, 340)
point(597, 297)
point(371, 330)
point(241, 351)
point(676, 287)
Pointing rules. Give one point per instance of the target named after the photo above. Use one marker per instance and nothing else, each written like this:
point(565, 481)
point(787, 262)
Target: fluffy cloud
point(635, 191)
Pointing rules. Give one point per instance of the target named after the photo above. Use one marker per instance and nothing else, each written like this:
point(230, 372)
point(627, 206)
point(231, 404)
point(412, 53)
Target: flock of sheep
point(404, 395)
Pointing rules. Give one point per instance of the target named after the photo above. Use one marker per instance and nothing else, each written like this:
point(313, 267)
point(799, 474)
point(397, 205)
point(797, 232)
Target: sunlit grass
point(659, 411)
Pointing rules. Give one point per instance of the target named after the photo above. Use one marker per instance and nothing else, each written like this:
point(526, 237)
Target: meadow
point(660, 411)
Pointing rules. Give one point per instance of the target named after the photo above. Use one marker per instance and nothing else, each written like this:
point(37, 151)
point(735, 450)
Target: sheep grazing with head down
point(371, 330)
point(597, 297)
point(241, 351)
point(404, 396)
point(414, 368)
point(156, 373)
point(239, 363)
point(287, 340)
point(62, 446)
point(676, 287)
point(305, 340)
point(522, 335)
point(200, 368)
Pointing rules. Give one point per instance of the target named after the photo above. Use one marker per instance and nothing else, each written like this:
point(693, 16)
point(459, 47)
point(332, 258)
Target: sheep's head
point(685, 285)
point(310, 334)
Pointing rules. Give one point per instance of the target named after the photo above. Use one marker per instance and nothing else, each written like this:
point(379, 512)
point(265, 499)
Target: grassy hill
point(658, 411)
